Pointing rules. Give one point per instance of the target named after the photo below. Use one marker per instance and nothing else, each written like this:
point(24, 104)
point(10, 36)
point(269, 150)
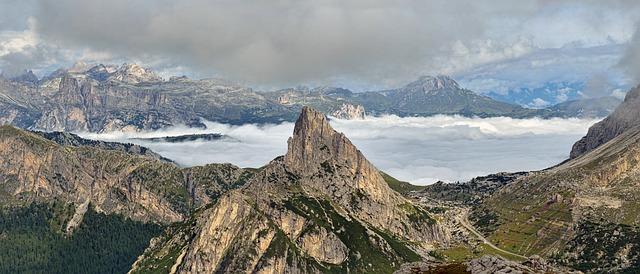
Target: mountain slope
point(435, 95)
point(320, 208)
point(560, 212)
point(583, 108)
point(626, 116)
point(113, 178)
point(71, 205)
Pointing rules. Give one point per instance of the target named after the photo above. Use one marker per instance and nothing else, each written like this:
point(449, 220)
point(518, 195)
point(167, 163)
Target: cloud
point(630, 61)
point(539, 103)
point(417, 149)
point(377, 42)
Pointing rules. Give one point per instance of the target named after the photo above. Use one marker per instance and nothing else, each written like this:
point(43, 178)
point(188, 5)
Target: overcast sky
point(360, 44)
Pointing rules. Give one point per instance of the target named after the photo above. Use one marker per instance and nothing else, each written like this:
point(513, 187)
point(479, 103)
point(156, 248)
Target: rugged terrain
point(114, 178)
point(582, 213)
point(625, 117)
point(320, 208)
point(129, 98)
point(70, 205)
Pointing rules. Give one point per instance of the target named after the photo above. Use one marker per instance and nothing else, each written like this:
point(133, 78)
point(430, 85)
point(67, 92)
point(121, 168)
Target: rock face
point(321, 207)
point(129, 98)
point(349, 112)
point(113, 178)
point(626, 116)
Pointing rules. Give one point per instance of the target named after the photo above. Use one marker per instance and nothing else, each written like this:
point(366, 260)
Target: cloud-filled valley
point(422, 150)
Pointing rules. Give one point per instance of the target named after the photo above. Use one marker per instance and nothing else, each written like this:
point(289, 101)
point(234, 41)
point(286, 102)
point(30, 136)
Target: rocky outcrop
point(114, 178)
point(486, 264)
point(321, 207)
point(626, 116)
point(70, 139)
point(349, 112)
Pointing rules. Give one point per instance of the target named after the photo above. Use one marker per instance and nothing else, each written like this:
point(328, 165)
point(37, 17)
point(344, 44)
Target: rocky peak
point(26, 77)
point(134, 73)
point(314, 142)
point(349, 112)
point(429, 83)
point(316, 149)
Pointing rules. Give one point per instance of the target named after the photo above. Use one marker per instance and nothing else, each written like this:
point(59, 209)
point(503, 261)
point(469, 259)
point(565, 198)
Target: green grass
point(400, 186)
point(365, 254)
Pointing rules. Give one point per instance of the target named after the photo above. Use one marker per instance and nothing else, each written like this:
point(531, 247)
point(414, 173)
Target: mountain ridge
point(128, 97)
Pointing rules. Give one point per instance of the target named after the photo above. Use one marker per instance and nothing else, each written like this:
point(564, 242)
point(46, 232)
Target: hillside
point(70, 205)
point(560, 212)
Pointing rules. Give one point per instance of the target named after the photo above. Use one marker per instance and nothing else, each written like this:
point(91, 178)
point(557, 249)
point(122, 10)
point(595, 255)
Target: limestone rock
point(625, 117)
point(114, 178)
point(349, 112)
point(321, 206)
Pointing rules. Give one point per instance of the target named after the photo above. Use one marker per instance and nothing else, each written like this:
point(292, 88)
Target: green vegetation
point(465, 253)
point(162, 179)
point(603, 246)
point(32, 241)
point(161, 257)
point(366, 255)
point(417, 214)
point(400, 186)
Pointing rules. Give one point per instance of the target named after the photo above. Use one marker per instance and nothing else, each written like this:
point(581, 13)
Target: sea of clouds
point(421, 150)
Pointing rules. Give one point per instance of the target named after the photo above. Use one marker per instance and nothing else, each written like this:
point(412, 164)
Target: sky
point(421, 150)
point(489, 45)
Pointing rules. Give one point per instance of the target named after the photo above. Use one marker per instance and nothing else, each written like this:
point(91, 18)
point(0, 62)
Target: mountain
point(114, 178)
point(424, 97)
point(626, 116)
point(582, 213)
point(63, 197)
point(129, 97)
point(322, 207)
point(435, 95)
point(584, 108)
point(561, 212)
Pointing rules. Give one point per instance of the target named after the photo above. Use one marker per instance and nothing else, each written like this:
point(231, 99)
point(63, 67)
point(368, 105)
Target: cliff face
point(626, 116)
point(321, 207)
point(113, 178)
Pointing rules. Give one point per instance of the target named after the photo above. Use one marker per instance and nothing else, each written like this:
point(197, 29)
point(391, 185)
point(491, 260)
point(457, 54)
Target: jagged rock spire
point(315, 142)
point(316, 147)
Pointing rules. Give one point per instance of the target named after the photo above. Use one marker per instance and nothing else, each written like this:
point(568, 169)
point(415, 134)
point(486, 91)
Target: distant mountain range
point(129, 97)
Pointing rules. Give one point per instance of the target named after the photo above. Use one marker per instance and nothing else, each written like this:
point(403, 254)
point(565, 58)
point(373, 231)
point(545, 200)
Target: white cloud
point(539, 103)
point(420, 150)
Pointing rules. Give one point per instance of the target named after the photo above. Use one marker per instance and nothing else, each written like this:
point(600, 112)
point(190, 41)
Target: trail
point(464, 221)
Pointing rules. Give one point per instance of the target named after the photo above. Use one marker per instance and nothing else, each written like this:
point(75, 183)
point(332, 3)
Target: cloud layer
point(420, 150)
point(357, 43)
